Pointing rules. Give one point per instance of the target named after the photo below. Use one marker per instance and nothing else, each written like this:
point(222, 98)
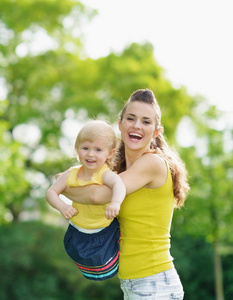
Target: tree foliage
point(51, 87)
point(39, 267)
point(209, 207)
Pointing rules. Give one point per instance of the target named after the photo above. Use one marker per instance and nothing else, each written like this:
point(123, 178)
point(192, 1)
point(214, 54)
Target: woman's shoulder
point(150, 164)
point(153, 160)
point(148, 171)
point(158, 168)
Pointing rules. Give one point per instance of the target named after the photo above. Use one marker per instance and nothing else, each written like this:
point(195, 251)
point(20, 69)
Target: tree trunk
point(218, 273)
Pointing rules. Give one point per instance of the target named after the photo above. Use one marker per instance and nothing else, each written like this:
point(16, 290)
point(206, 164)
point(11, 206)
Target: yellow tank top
point(89, 216)
point(145, 221)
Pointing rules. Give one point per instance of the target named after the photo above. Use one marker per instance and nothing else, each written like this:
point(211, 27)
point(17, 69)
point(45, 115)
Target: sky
point(193, 40)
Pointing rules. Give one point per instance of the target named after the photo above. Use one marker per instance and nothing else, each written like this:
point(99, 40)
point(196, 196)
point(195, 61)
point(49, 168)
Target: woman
point(155, 180)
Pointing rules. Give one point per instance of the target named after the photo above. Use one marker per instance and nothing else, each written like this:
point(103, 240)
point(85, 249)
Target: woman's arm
point(148, 171)
point(90, 194)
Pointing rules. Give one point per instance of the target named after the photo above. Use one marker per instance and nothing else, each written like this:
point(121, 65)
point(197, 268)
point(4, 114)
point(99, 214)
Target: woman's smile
point(135, 136)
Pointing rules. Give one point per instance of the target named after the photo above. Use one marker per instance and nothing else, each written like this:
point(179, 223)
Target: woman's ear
point(157, 132)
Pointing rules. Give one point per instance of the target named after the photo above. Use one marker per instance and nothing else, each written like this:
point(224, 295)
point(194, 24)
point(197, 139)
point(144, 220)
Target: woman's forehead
point(140, 109)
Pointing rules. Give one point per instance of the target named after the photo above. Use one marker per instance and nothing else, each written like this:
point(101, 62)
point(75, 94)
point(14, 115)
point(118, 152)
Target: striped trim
point(113, 272)
point(101, 272)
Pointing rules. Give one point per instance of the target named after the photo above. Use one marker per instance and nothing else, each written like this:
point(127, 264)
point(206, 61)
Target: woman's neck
point(131, 156)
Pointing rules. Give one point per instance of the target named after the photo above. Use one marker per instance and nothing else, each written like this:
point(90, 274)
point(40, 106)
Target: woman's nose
point(137, 123)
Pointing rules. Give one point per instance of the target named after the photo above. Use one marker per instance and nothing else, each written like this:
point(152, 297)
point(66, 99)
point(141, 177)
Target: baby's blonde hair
point(97, 129)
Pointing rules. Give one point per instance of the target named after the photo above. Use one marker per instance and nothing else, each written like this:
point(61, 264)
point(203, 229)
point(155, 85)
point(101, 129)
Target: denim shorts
point(162, 286)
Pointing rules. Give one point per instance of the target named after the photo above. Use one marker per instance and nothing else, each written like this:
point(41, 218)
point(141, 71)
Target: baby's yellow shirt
point(89, 216)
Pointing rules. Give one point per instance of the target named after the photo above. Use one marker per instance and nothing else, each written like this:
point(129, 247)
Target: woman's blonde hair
point(97, 129)
point(158, 146)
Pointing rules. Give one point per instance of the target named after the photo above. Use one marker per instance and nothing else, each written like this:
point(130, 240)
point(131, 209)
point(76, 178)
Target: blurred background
point(64, 62)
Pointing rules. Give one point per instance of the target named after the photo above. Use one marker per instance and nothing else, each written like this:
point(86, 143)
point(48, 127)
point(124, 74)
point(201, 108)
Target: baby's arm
point(118, 193)
point(52, 196)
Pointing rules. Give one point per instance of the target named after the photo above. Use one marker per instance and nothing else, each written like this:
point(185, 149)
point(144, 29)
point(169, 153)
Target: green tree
point(32, 78)
point(13, 184)
point(32, 252)
point(50, 88)
point(38, 267)
point(209, 207)
point(55, 85)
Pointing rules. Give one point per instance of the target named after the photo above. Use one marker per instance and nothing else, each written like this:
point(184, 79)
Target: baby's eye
point(85, 148)
point(98, 149)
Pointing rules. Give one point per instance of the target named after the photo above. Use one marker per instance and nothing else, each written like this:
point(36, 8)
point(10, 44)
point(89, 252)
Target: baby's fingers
point(111, 213)
point(70, 213)
point(74, 212)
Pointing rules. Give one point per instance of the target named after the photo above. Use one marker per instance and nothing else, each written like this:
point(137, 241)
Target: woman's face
point(138, 126)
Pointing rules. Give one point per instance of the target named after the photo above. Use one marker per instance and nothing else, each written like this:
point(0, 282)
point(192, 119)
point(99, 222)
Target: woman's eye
point(147, 122)
point(129, 119)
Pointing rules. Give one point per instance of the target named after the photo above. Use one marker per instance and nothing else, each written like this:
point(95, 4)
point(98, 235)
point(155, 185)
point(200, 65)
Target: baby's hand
point(112, 210)
point(69, 211)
